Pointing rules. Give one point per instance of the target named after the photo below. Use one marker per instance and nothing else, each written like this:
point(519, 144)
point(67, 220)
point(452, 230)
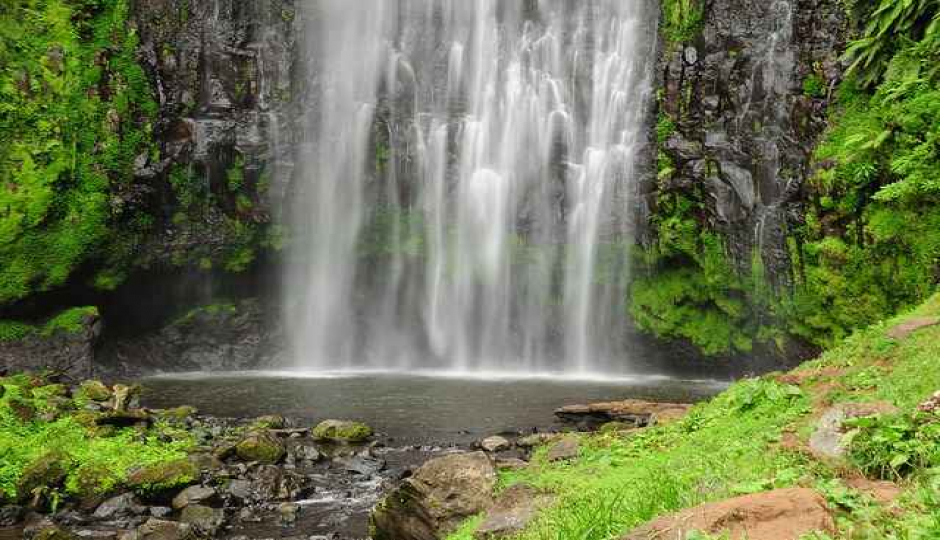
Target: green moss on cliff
point(68, 321)
point(870, 244)
point(75, 112)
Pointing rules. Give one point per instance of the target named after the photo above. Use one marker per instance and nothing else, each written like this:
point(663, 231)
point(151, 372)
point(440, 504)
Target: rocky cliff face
point(744, 98)
point(748, 97)
point(222, 74)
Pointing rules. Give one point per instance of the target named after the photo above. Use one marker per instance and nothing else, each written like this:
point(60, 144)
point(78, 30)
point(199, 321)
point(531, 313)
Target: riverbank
point(852, 435)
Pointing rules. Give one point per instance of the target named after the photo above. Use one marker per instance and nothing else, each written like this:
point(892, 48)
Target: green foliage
point(814, 86)
point(68, 321)
point(888, 26)
point(93, 461)
point(681, 20)
point(871, 243)
point(75, 111)
point(893, 446)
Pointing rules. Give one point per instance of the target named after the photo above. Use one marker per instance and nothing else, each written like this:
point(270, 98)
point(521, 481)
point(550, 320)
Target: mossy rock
point(92, 484)
point(47, 471)
point(51, 390)
point(271, 421)
point(261, 446)
point(22, 409)
point(342, 431)
point(162, 476)
point(178, 414)
point(94, 391)
point(54, 533)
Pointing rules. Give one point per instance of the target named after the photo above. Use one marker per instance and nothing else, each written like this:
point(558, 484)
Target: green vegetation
point(51, 449)
point(870, 244)
point(681, 20)
point(732, 445)
point(69, 321)
point(75, 112)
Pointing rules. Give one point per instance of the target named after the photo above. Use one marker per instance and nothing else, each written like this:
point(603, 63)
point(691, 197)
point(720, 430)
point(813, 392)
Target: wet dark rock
point(436, 499)
point(193, 495)
point(124, 418)
point(261, 446)
point(307, 452)
point(564, 449)
point(11, 515)
point(363, 465)
point(118, 507)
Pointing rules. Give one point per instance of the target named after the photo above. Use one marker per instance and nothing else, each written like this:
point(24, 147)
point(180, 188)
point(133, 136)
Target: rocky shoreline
point(273, 477)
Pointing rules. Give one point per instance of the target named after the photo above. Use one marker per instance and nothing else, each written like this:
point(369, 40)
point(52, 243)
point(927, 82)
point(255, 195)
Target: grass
point(731, 446)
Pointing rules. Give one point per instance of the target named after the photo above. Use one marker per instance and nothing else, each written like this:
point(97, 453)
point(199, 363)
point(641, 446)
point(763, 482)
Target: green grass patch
point(729, 446)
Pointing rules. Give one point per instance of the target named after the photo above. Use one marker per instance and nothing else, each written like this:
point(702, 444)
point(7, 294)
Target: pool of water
point(413, 408)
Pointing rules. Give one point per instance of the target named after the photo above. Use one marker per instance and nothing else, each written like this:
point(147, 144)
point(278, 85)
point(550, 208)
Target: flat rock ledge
point(631, 412)
point(783, 514)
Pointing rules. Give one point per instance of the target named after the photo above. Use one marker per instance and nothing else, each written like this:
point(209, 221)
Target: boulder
point(511, 513)
point(119, 507)
point(203, 519)
point(159, 529)
point(47, 471)
point(261, 446)
point(342, 431)
point(633, 412)
point(831, 439)
point(162, 476)
point(784, 514)
point(193, 495)
point(436, 499)
point(495, 444)
point(564, 449)
point(94, 391)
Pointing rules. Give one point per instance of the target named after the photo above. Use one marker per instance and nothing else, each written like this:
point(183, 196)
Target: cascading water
point(464, 193)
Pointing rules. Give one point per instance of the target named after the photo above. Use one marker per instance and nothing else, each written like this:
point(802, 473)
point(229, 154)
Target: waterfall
point(465, 187)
